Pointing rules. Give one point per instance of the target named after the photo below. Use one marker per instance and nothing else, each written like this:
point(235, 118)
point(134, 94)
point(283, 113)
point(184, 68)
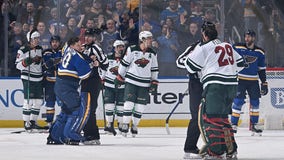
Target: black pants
point(93, 86)
point(193, 133)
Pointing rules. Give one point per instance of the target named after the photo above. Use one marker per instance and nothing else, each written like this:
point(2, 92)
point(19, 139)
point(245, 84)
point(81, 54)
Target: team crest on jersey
point(114, 70)
point(249, 59)
point(142, 62)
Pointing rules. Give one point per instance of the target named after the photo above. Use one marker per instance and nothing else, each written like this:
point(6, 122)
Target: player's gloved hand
point(264, 88)
point(28, 61)
point(118, 81)
point(153, 87)
point(37, 59)
point(56, 61)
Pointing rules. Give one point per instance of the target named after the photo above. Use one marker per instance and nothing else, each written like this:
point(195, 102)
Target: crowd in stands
point(175, 24)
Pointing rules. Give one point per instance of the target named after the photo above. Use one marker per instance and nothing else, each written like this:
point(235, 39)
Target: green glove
point(28, 61)
point(118, 81)
point(153, 87)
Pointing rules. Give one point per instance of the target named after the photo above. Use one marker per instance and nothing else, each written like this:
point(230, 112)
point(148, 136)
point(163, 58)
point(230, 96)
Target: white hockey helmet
point(144, 35)
point(118, 43)
point(32, 34)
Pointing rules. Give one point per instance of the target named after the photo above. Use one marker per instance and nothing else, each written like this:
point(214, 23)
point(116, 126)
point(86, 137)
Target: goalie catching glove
point(264, 88)
point(153, 87)
point(118, 81)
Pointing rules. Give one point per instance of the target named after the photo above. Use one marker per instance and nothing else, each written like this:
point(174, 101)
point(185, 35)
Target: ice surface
point(149, 144)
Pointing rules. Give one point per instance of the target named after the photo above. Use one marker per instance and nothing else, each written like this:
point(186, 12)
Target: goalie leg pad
point(56, 132)
point(216, 133)
point(78, 119)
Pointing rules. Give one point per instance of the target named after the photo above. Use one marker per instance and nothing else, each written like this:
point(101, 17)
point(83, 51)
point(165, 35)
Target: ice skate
point(72, 142)
point(255, 130)
point(27, 126)
point(119, 126)
point(51, 141)
point(134, 130)
point(124, 129)
point(232, 156)
point(234, 128)
point(192, 154)
point(215, 157)
point(90, 140)
point(110, 129)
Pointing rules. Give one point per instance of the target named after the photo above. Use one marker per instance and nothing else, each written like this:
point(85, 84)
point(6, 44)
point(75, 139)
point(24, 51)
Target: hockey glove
point(37, 59)
point(264, 88)
point(118, 81)
point(56, 61)
point(153, 87)
point(28, 61)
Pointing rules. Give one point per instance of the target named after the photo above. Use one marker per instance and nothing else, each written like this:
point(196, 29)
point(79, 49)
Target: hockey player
point(113, 97)
point(195, 92)
point(139, 70)
point(76, 106)
point(218, 63)
point(254, 70)
point(51, 59)
point(29, 62)
point(92, 85)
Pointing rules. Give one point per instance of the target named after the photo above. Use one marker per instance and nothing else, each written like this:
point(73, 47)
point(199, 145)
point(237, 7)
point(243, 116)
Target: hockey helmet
point(144, 35)
point(54, 38)
point(118, 43)
point(250, 32)
point(209, 29)
point(32, 34)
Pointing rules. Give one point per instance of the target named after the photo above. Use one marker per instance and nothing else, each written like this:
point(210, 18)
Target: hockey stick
point(175, 107)
point(103, 108)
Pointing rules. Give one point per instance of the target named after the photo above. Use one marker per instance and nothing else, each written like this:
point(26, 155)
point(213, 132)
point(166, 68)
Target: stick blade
point(168, 128)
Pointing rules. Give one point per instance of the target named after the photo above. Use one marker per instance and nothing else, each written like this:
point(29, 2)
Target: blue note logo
point(277, 97)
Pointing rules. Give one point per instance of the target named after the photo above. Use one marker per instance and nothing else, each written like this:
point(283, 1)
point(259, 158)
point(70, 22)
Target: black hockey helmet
point(55, 38)
point(209, 29)
point(250, 32)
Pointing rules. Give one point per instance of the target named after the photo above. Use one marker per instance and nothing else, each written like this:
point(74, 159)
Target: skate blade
point(134, 135)
point(124, 134)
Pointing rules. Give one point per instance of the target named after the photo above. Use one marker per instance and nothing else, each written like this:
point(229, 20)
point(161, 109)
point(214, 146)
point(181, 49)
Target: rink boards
point(169, 92)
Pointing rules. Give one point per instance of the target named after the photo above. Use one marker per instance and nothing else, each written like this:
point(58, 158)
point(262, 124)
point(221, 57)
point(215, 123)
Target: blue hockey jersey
point(49, 67)
point(254, 61)
point(74, 65)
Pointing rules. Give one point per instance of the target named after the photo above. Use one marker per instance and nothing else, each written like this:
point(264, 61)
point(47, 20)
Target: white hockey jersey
point(139, 68)
point(218, 62)
point(112, 72)
point(32, 72)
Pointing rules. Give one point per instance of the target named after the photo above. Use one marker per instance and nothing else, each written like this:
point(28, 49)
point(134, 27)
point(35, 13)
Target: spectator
point(109, 36)
point(44, 36)
point(174, 10)
point(188, 35)
point(197, 14)
point(167, 52)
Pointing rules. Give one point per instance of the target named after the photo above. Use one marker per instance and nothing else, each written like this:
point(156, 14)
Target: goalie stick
point(173, 110)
